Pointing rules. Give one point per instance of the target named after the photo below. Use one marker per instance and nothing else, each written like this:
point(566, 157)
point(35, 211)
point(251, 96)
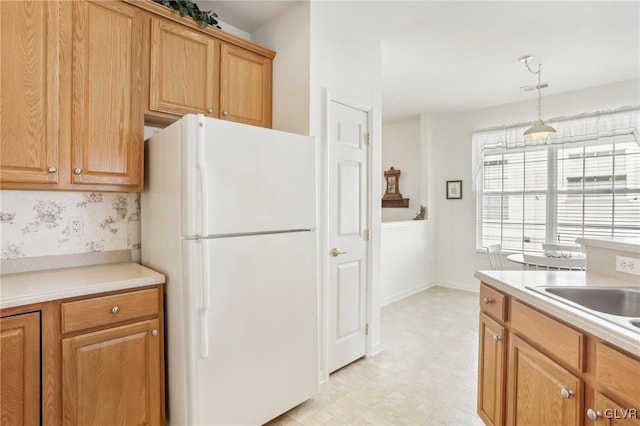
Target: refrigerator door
point(243, 179)
point(261, 325)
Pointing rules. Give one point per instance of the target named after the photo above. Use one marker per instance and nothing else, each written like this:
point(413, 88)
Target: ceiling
point(463, 55)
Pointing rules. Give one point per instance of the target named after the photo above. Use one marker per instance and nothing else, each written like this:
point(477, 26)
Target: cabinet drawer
point(619, 373)
point(562, 342)
point(492, 302)
point(99, 311)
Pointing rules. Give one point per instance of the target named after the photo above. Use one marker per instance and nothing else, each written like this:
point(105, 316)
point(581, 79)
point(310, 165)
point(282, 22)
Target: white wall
point(289, 36)
point(400, 150)
point(406, 267)
point(316, 54)
point(450, 136)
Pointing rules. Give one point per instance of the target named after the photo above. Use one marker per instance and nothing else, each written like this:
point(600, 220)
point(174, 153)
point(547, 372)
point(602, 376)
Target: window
point(558, 192)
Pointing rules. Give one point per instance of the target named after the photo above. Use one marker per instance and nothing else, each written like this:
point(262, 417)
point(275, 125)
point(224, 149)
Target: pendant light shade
point(539, 130)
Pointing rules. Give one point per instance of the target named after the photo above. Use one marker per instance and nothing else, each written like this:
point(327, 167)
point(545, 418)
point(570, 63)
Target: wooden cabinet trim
point(107, 310)
point(493, 302)
point(560, 341)
point(170, 14)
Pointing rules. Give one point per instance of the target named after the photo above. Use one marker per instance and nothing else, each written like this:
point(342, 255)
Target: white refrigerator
point(229, 216)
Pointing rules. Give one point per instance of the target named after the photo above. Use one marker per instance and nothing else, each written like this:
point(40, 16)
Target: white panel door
point(348, 228)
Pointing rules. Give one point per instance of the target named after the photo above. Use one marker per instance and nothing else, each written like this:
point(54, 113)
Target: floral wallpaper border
point(37, 223)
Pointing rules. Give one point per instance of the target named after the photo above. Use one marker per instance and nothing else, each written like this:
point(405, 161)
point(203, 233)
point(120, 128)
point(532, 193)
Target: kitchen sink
point(624, 302)
point(620, 305)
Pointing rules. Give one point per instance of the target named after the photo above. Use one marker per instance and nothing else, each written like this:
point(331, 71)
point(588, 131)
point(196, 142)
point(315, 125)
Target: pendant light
point(539, 130)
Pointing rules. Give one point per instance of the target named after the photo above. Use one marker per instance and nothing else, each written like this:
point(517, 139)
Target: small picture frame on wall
point(454, 190)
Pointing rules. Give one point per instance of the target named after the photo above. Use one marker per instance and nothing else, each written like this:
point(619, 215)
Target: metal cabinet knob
point(115, 309)
point(594, 415)
point(52, 169)
point(210, 110)
point(335, 252)
point(496, 338)
point(78, 171)
point(566, 393)
point(225, 112)
point(487, 300)
point(154, 333)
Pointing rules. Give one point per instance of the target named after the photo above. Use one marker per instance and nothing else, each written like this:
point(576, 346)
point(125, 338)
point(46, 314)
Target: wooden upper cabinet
point(30, 91)
point(183, 73)
point(245, 86)
point(107, 111)
point(20, 369)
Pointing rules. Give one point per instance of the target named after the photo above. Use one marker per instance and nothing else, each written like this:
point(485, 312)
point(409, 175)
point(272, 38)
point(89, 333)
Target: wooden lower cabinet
point(555, 374)
point(540, 391)
point(20, 369)
point(491, 371)
point(113, 376)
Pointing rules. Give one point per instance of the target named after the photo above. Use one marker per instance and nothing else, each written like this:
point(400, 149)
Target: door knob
point(335, 252)
point(566, 393)
point(594, 415)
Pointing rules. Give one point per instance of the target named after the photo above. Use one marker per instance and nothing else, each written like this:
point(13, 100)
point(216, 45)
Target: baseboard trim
point(470, 287)
point(407, 293)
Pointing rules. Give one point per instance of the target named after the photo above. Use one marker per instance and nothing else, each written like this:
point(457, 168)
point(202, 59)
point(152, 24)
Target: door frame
point(323, 373)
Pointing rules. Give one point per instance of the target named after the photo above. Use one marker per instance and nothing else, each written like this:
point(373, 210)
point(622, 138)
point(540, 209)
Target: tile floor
point(426, 373)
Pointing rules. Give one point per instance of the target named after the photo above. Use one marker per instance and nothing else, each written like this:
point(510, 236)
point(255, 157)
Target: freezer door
point(244, 179)
point(261, 357)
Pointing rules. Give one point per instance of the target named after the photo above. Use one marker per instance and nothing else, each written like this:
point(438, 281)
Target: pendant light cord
point(539, 72)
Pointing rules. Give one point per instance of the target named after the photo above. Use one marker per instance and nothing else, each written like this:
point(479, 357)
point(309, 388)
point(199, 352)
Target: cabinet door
point(113, 376)
point(20, 369)
point(183, 75)
point(107, 115)
point(491, 369)
point(245, 86)
point(30, 91)
point(605, 412)
point(540, 391)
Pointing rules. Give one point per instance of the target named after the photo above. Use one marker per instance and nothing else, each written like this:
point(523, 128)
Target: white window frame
point(591, 127)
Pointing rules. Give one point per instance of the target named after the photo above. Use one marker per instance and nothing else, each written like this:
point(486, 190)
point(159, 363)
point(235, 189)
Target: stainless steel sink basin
point(624, 302)
point(620, 305)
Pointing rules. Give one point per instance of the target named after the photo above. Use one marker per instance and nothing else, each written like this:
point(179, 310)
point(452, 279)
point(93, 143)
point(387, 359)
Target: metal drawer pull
point(115, 309)
point(210, 110)
point(154, 333)
point(52, 169)
point(78, 171)
point(487, 300)
point(496, 338)
point(566, 393)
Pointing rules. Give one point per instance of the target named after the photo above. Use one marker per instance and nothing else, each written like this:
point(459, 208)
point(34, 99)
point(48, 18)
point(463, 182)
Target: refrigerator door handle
point(204, 308)
point(201, 165)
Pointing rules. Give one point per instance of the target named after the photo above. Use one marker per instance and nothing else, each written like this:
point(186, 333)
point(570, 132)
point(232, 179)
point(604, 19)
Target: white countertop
point(43, 286)
point(515, 283)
